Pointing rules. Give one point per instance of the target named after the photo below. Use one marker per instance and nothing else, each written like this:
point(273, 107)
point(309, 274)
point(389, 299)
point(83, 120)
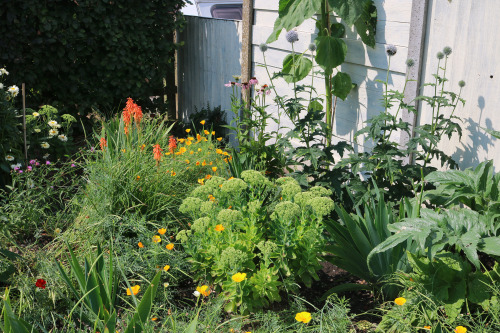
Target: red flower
point(172, 144)
point(103, 143)
point(41, 283)
point(157, 153)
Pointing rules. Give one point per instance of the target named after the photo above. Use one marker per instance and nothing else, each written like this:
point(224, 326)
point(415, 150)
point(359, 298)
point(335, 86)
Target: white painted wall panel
point(470, 27)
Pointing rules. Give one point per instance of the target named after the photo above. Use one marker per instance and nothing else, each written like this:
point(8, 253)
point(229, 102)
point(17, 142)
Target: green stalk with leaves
point(331, 49)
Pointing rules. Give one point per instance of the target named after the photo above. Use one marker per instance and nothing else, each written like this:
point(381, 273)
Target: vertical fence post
point(246, 47)
point(416, 46)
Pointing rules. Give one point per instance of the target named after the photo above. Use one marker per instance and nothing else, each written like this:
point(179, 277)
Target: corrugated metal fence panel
point(470, 27)
point(208, 59)
point(363, 63)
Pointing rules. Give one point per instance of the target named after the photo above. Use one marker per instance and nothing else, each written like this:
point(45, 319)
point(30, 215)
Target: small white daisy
point(52, 123)
point(36, 114)
point(9, 158)
point(13, 90)
point(53, 132)
point(45, 145)
point(63, 138)
point(3, 71)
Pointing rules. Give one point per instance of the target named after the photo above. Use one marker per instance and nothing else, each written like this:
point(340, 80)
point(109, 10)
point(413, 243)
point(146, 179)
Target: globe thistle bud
point(447, 50)
point(292, 36)
point(391, 50)
point(312, 47)
point(263, 47)
point(410, 62)
point(440, 55)
point(461, 83)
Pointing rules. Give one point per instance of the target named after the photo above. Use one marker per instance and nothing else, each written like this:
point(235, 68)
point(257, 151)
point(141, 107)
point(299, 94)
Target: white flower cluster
point(3, 72)
point(13, 90)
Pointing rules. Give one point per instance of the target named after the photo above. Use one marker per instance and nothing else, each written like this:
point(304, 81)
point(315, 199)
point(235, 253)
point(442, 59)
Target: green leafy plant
point(353, 238)
point(331, 49)
point(98, 284)
point(11, 322)
point(243, 226)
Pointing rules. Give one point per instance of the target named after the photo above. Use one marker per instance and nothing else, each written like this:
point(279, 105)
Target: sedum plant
point(252, 238)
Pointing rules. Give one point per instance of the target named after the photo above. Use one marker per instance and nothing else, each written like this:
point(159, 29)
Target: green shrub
point(252, 238)
point(85, 54)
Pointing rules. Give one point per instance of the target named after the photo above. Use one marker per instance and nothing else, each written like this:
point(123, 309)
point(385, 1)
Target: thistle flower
point(440, 55)
point(292, 36)
point(447, 50)
point(391, 50)
point(410, 62)
point(461, 83)
point(312, 47)
point(263, 47)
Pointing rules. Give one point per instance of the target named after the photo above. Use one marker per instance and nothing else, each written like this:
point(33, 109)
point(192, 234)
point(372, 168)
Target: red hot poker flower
point(172, 144)
point(137, 115)
point(157, 153)
point(103, 143)
point(41, 283)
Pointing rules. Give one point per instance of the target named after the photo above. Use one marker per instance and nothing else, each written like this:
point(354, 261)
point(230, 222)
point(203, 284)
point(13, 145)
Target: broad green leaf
point(349, 10)
point(342, 85)
point(292, 13)
point(296, 67)
point(331, 52)
point(338, 30)
point(490, 245)
point(366, 24)
point(192, 326)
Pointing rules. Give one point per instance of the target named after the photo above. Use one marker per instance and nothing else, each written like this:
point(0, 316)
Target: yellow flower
point(135, 290)
point(208, 176)
point(225, 153)
point(187, 161)
point(198, 137)
point(124, 150)
point(218, 151)
point(167, 153)
point(181, 140)
point(400, 301)
point(188, 130)
point(219, 227)
point(166, 268)
point(140, 245)
point(191, 152)
point(154, 319)
point(197, 163)
point(137, 177)
point(204, 290)
point(156, 239)
point(303, 317)
point(460, 329)
point(213, 132)
point(210, 163)
point(219, 139)
point(203, 163)
point(202, 122)
point(206, 132)
point(182, 150)
point(170, 247)
point(188, 143)
point(238, 277)
point(162, 231)
point(205, 139)
point(214, 169)
point(190, 138)
point(199, 149)
point(230, 178)
point(427, 327)
point(201, 181)
point(173, 173)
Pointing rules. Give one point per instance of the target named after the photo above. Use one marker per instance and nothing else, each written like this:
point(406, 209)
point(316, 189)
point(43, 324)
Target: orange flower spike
point(157, 153)
point(137, 115)
point(103, 143)
point(172, 144)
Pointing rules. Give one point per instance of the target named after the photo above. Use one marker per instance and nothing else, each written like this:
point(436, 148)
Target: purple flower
point(20, 171)
point(244, 86)
point(37, 164)
point(29, 168)
point(48, 162)
point(72, 165)
point(91, 149)
point(253, 81)
point(16, 168)
point(32, 162)
point(228, 84)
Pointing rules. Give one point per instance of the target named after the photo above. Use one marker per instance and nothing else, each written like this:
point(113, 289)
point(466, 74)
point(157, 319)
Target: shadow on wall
point(467, 154)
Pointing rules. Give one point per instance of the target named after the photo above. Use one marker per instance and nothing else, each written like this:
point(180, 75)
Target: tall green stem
point(325, 20)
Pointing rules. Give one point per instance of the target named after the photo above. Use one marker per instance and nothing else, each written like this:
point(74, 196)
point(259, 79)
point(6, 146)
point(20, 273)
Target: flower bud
point(312, 47)
point(447, 50)
point(440, 55)
point(461, 83)
point(292, 36)
point(410, 62)
point(391, 50)
point(263, 47)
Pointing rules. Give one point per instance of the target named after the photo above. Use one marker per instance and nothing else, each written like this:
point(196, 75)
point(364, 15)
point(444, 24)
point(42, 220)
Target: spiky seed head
point(292, 36)
point(461, 83)
point(263, 47)
point(440, 55)
point(391, 50)
point(410, 62)
point(447, 50)
point(312, 47)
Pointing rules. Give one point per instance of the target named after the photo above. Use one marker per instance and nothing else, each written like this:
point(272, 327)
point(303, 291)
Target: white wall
point(470, 27)
point(363, 63)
